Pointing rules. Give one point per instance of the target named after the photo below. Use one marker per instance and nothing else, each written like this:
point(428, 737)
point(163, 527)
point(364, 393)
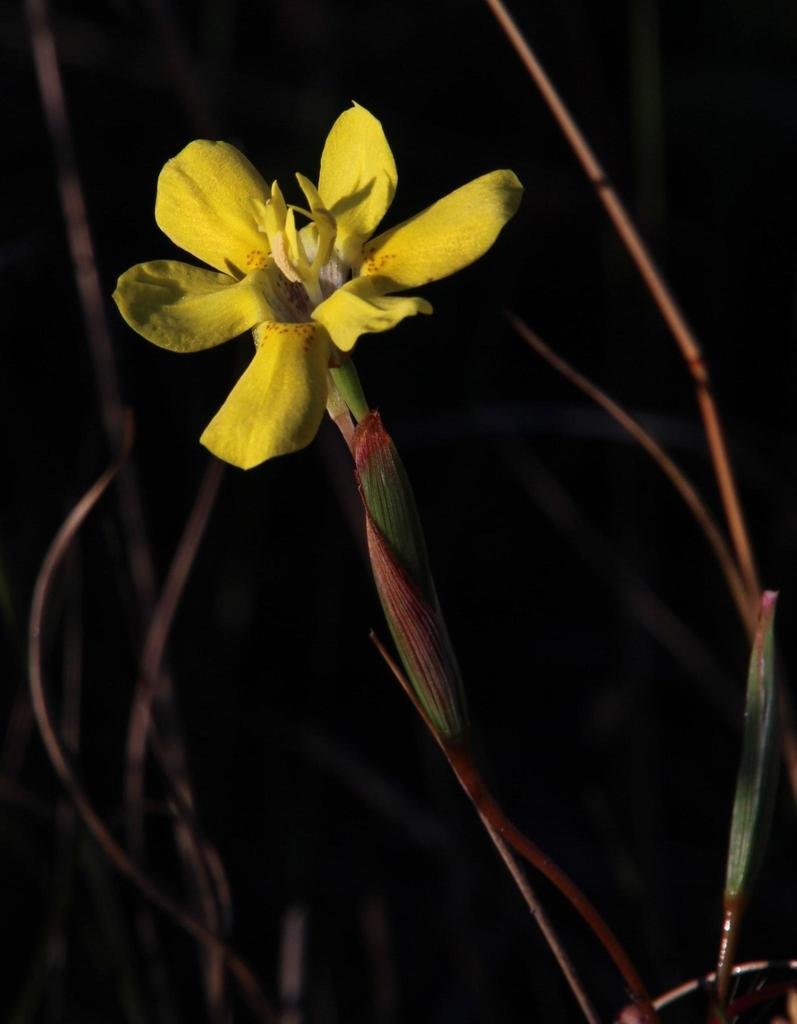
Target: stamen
point(295, 248)
point(323, 221)
point(279, 251)
point(278, 203)
point(302, 258)
point(310, 193)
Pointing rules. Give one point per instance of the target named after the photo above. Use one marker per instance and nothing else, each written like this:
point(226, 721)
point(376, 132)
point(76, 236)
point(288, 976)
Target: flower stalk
point(400, 565)
point(347, 383)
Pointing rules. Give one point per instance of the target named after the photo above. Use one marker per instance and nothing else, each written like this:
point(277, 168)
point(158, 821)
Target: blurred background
point(602, 655)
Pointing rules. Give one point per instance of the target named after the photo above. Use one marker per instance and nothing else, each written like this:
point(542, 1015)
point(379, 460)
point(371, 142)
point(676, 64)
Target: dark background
point(611, 740)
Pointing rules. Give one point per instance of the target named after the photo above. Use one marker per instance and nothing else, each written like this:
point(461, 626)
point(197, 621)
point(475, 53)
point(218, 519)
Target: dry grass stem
point(151, 685)
point(92, 301)
point(701, 984)
point(246, 980)
point(663, 297)
point(674, 474)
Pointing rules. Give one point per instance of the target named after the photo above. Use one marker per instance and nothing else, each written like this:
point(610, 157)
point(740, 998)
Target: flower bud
point(403, 580)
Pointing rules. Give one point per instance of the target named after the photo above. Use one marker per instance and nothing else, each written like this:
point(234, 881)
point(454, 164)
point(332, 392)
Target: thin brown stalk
point(148, 690)
point(539, 915)
point(248, 984)
point(470, 779)
point(496, 834)
point(221, 884)
point(89, 288)
point(205, 878)
point(702, 516)
point(687, 344)
point(685, 488)
point(73, 205)
point(93, 305)
point(659, 290)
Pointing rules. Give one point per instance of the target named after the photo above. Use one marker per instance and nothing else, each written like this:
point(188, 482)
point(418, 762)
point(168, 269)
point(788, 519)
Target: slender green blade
point(755, 789)
point(758, 769)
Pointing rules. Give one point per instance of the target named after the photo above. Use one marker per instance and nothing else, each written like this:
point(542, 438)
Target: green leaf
point(755, 788)
point(758, 769)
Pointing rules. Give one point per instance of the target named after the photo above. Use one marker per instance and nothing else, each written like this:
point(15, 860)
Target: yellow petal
point(360, 307)
point(446, 236)
point(206, 203)
point(358, 178)
point(277, 405)
point(186, 309)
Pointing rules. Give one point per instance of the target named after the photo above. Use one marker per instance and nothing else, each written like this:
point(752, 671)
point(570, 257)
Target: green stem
point(347, 381)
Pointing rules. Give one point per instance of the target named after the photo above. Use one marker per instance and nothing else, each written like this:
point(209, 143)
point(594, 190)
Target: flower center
point(308, 268)
point(287, 298)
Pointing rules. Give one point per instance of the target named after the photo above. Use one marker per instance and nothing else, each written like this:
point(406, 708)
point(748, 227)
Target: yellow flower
point(307, 293)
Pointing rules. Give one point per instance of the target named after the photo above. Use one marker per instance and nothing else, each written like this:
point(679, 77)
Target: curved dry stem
point(155, 645)
point(497, 832)
point(100, 344)
point(89, 290)
point(662, 296)
point(696, 984)
point(639, 599)
point(204, 874)
point(149, 689)
point(685, 339)
point(73, 204)
point(685, 488)
point(246, 980)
